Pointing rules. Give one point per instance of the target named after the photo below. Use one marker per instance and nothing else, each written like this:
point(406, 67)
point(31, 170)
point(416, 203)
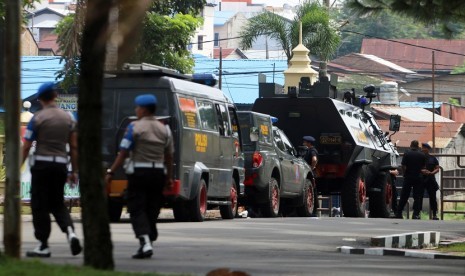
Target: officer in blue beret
point(311, 157)
point(431, 185)
point(150, 144)
point(52, 129)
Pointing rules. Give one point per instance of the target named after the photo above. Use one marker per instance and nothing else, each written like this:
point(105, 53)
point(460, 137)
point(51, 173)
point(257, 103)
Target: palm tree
point(319, 34)
point(446, 12)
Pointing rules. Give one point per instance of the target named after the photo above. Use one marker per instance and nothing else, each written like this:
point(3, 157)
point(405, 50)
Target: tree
point(98, 249)
point(161, 39)
point(385, 24)
point(445, 12)
point(164, 41)
point(319, 34)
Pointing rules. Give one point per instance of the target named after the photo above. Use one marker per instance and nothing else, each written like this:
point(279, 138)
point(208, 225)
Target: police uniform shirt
point(50, 128)
point(414, 161)
point(309, 155)
point(431, 162)
point(148, 139)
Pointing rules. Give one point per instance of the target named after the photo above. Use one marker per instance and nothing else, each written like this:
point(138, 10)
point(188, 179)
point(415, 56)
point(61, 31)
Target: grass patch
point(35, 267)
point(458, 248)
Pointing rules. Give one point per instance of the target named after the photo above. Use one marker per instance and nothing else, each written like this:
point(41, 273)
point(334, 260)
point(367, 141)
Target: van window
point(245, 123)
point(126, 105)
point(279, 141)
point(223, 120)
point(287, 143)
point(189, 112)
point(208, 118)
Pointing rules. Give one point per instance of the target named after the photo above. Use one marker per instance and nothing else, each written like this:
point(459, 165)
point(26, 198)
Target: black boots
point(145, 250)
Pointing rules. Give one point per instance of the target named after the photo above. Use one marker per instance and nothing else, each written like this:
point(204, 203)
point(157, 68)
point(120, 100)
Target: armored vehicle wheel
point(230, 211)
point(353, 194)
point(115, 207)
point(381, 196)
point(198, 205)
point(271, 208)
point(306, 209)
point(180, 211)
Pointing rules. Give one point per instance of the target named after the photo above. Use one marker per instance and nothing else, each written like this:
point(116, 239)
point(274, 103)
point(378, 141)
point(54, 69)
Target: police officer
point(150, 144)
point(431, 185)
point(52, 128)
point(311, 157)
point(413, 162)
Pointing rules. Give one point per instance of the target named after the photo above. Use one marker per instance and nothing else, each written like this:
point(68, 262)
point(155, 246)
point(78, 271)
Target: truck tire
point(115, 208)
point(230, 211)
point(306, 209)
point(198, 205)
point(381, 196)
point(271, 208)
point(353, 194)
point(180, 211)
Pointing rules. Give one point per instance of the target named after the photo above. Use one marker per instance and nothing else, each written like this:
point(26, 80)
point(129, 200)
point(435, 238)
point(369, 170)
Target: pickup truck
point(277, 181)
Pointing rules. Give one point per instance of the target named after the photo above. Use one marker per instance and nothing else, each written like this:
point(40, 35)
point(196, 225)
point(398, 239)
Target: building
point(203, 39)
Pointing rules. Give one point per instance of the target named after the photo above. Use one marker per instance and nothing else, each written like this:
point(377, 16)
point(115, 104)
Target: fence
point(454, 194)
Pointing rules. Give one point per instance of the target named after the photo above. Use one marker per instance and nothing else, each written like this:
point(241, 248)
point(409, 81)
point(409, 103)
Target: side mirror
point(254, 134)
point(394, 123)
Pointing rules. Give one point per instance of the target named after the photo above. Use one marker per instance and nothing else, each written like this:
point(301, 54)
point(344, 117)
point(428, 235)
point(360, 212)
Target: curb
point(426, 239)
point(397, 252)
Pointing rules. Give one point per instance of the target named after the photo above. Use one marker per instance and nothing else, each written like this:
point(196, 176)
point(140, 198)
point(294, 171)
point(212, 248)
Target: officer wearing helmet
point(52, 129)
point(149, 144)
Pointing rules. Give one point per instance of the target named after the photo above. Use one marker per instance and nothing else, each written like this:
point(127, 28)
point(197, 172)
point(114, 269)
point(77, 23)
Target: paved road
point(260, 246)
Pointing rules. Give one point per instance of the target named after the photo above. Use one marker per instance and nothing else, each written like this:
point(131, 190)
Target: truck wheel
point(115, 207)
point(381, 197)
point(306, 209)
point(198, 205)
point(180, 211)
point(230, 211)
point(354, 193)
point(271, 208)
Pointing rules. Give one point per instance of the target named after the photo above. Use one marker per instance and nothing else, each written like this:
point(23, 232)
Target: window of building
point(216, 41)
point(200, 42)
point(425, 99)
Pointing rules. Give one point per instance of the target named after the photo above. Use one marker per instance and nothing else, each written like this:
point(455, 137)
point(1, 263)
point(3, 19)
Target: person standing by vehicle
point(393, 175)
point(149, 144)
point(431, 185)
point(311, 157)
point(413, 162)
point(52, 128)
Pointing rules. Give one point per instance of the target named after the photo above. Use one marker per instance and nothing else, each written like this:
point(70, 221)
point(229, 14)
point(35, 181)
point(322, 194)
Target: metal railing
point(442, 189)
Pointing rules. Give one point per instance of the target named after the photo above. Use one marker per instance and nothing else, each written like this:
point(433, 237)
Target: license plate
point(330, 140)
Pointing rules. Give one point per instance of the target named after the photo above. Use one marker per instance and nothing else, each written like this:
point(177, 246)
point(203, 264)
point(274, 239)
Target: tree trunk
point(323, 69)
point(98, 250)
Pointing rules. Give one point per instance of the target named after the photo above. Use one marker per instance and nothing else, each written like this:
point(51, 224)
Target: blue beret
point(46, 88)
point(145, 100)
point(426, 145)
point(309, 139)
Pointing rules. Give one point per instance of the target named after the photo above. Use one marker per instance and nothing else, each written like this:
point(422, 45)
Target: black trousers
point(47, 196)
point(431, 187)
point(145, 198)
point(418, 189)
point(394, 194)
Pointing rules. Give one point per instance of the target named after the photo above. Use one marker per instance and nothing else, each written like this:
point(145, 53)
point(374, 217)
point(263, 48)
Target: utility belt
point(49, 158)
point(149, 165)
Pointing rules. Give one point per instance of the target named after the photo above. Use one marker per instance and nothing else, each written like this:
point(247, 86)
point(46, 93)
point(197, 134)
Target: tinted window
point(188, 112)
point(245, 122)
point(278, 140)
point(126, 106)
point(208, 117)
point(223, 120)
point(287, 143)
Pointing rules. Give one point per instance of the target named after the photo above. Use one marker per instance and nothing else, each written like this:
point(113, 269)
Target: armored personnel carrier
point(355, 155)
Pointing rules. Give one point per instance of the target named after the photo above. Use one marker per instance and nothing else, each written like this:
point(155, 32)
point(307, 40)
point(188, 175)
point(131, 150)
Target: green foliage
point(164, 41)
point(447, 13)
point(2, 173)
point(459, 70)
point(70, 45)
point(178, 6)
point(25, 4)
point(319, 35)
point(453, 101)
point(385, 24)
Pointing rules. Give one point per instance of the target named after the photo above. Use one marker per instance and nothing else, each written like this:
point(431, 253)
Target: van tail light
point(257, 159)
point(175, 189)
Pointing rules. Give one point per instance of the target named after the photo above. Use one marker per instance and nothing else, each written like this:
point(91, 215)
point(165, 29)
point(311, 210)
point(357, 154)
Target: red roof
point(407, 55)
point(49, 42)
point(225, 52)
point(423, 132)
